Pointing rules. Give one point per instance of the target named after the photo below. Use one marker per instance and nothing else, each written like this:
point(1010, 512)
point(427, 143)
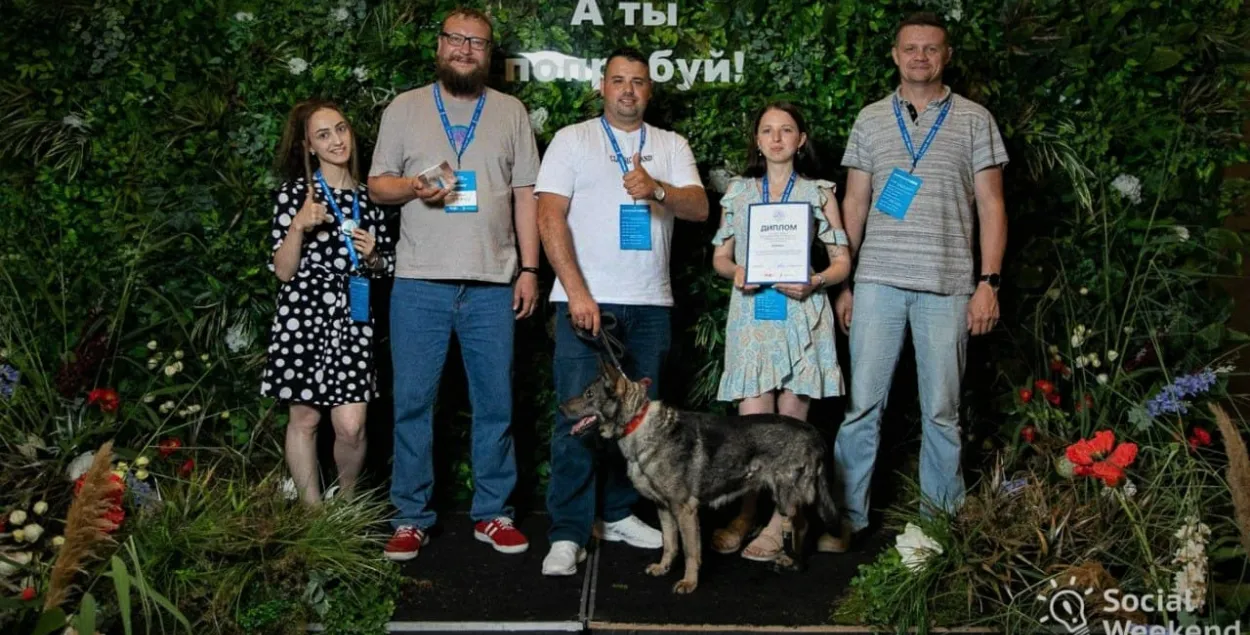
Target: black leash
point(605, 340)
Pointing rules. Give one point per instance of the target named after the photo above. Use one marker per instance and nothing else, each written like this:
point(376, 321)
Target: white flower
point(340, 14)
point(79, 466)
point(33, 532)
point(204, 358)
point(1128, 330)
point(152, 363)
point(40, 508)
point(1080, 329)
point(1079, 362)
point(57, 541)
point(955, 14)
point(142, 461)
point(1102, 378)
point(1128, 186)
point(538, 119)
point(1084, 291)
point(720, 178)
point(17, 517)
point(915, 547)
point(19, 535)
point(1077, 340)
point(361, 73)
point(193, 408)
point(173, 369)
point(149, 398)
point(1191, 579)
point(1052, 293)
point(20, 558)
point(1052, 349)
point(177, 354)
point(151, 345)
point(1130, 488)
point(288, 489)
point(73, 121)
point(244, 16)
point(168, 406)
point(1226, 369)
point(225, 414)
point(238, 338)
point(1094, 361)
point(296, 65)
point(1112, 356)
point(1181, 232)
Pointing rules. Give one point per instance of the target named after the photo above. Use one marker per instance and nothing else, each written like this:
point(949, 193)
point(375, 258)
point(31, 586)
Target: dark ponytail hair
point(295, 159)
point(806, 163)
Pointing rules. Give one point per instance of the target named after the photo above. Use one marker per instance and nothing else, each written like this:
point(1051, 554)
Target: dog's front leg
point(791, 540)
point(668, 527)
point(688, 523)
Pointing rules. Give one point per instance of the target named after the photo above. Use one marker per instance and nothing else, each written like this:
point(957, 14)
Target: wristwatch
point(659, 193)
point(992, 279)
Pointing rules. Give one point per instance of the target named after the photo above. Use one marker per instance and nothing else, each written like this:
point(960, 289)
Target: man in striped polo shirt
point(920, 162)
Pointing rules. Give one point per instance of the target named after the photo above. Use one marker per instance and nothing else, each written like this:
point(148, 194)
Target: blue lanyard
point(620, 158)
point(924, 147)
point(468, 135)
point(338, 213)
point(785, 196)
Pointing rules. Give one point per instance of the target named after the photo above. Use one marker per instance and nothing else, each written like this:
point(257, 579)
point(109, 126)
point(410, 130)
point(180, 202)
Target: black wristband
point(533, 270)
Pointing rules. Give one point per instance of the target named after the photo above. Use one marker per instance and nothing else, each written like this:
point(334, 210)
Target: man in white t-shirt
point(608, 191)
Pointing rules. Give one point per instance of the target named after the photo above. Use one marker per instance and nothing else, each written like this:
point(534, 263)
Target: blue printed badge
point(770, 304)
point(636, 227)
point(898, 194)
point(358, 297)
point(463, 199)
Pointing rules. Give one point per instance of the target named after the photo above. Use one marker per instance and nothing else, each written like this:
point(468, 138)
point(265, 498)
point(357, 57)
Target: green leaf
point(86, 615)
point(1237, 336)
point(1162, 59)
point(1211, 335)
point(50, 621)
point(121, 582)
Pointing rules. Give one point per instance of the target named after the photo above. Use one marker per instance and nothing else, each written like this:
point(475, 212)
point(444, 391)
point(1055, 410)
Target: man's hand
point(983, 310)
point(431, 194)
point(584, 313)
point(525, 295)
point(842, 308)
point(638, 183)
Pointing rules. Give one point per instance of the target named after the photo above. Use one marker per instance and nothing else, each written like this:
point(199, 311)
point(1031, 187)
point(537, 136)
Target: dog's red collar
point(637, 420)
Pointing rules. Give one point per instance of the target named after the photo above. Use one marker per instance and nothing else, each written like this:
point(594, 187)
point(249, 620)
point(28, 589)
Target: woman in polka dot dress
point(319, 356)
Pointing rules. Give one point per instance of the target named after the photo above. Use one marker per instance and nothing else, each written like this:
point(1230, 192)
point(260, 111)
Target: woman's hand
point(310, 215)
point(365, 244)
point(799, 291)
point(740, 277)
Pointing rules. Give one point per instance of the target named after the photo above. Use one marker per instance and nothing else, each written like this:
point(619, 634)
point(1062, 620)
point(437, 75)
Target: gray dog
point(682, 460)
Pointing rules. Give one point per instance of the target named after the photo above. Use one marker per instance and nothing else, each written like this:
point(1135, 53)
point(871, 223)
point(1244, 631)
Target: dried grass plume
point(1238, 476)
point(86, 529)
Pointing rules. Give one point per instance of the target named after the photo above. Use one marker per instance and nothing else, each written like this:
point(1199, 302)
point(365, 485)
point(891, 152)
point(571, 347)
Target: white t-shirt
point(581, 165)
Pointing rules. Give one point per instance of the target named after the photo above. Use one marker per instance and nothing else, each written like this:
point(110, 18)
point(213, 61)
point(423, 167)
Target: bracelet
point(821, 279)
point(533, 270)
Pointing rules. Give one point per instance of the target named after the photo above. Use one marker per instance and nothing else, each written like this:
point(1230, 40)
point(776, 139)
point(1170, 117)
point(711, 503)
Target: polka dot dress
point(317, 354)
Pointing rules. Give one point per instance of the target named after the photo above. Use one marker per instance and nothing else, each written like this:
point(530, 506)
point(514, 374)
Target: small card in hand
point(439, 176)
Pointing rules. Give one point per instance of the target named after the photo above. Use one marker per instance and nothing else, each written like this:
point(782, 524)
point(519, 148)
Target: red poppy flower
point(115, 516)
point(1045, 386)
point(1053, 398)
point(1029, 434)
point(28, 594)
point(106, 397)
point(1101, 458)
point(1199, 438)
point(1057, 365)
point(1026, 395)
point(187, 468)
point(167, 446)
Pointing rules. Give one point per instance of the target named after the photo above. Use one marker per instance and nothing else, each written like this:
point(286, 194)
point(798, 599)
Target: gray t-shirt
point(433, 243)
point(931, 248)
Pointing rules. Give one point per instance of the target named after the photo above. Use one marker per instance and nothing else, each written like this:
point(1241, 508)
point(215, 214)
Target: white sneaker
point(634, 533)
point(563, 558)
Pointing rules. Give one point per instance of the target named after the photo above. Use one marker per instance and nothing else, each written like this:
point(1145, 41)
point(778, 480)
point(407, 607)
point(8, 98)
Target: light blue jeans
point(939, 329)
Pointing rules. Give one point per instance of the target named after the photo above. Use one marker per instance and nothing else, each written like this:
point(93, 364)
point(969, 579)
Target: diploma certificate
point(778, 243)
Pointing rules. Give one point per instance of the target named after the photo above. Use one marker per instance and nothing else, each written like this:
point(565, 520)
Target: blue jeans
point(939, 329)
point(424, 314)
point(571, 492)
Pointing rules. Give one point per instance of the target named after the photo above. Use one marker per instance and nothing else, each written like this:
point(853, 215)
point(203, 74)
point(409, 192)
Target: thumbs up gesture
point(638, 183)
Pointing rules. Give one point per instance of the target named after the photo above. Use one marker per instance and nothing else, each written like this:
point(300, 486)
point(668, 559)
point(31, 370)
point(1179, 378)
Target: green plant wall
point(135, 170)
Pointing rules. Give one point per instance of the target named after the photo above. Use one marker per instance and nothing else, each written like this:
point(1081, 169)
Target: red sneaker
point(501, 535)
point(405, 544)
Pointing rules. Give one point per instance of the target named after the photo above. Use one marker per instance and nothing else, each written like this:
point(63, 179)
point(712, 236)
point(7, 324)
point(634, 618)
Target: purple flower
point(8, 380)
point(1170, 400)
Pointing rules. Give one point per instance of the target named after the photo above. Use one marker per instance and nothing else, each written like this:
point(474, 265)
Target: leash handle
point(610, 344)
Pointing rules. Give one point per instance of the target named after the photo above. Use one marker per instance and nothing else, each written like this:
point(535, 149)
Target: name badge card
point(636, 227)
point(358, 297)
point(778, 243)
point(898, 194)
point(462, 199)
point(770, 304)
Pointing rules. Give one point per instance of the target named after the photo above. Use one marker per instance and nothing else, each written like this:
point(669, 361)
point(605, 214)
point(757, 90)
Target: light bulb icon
point(1067, 607)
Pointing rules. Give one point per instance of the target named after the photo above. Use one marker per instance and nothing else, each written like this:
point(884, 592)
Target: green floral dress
point(799, 353)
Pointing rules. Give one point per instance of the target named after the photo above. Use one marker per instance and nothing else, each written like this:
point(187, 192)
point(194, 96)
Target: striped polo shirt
point(931, 248)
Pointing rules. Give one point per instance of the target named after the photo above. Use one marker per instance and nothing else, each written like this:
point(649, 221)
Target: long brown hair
point(806, 163)
point(295, 159)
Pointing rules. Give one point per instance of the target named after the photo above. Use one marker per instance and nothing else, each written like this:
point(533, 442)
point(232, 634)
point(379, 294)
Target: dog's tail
point(824, 501)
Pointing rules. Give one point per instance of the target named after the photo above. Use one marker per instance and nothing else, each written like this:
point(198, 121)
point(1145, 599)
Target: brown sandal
point(729, 539)
point(767, 548)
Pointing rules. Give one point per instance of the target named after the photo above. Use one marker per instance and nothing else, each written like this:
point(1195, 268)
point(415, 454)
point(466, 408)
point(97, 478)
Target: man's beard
point(469, 85)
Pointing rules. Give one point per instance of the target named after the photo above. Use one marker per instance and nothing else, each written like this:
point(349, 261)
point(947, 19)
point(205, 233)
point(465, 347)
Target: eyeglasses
point(457, 41)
